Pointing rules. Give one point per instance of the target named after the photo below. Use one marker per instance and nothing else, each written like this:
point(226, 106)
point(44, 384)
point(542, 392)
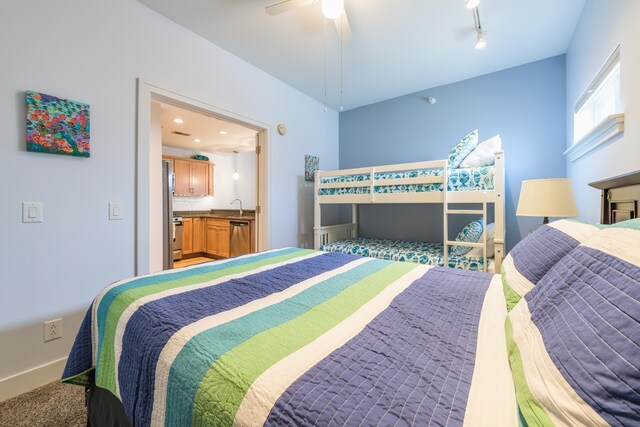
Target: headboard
point(620, 197)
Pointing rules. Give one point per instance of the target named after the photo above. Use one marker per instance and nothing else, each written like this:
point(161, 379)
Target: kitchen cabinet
point(199, 235)
point(193, 235)
point(187, 236)
point(217, 237)
point(192, 177)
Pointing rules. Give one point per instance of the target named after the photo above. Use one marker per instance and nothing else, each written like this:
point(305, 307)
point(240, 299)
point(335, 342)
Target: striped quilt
point(574, 338)
point(295, 337)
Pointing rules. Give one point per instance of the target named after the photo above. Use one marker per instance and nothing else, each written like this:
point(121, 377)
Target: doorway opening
point(201, 182)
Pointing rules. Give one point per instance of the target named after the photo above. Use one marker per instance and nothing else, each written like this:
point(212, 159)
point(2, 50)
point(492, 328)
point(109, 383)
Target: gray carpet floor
point(52, 405)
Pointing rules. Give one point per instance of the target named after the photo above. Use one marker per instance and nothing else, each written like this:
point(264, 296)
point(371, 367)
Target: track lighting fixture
point(481, 41)
point(471, 3)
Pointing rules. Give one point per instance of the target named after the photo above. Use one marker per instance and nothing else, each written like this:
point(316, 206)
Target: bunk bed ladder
point(445, 221)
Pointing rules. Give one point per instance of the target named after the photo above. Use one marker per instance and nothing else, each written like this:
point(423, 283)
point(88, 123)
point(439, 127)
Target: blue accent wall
point(526, 105)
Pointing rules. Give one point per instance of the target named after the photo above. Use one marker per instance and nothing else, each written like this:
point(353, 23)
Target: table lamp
point(551, 197)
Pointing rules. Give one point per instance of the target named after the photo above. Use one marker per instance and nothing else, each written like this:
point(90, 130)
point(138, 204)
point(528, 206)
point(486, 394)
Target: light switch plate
point(31, 212)
point(115, 210)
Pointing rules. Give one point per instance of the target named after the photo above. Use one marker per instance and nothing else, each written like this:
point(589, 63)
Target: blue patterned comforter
point(463, 179)
point(400, 250)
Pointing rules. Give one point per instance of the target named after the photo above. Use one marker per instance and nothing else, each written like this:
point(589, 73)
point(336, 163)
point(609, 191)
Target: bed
point(298, 337)
point(462, 190)
point(304, 337)
point(459, 179)
point(428, 253)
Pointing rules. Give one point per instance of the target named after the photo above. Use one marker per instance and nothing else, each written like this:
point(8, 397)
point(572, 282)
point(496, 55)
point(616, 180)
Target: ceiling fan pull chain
point(325, 65)
point(341, 59)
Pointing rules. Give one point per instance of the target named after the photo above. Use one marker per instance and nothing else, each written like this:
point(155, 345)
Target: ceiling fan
point(332, 9)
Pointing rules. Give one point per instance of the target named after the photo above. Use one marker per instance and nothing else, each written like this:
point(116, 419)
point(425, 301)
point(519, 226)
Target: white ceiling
point(206, 129)
point(398, 47)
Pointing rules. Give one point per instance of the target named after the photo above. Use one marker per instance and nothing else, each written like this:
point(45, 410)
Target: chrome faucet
point(240, 204)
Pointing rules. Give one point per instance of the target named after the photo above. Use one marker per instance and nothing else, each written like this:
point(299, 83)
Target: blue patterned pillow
point(462, 149)
point(470, 233)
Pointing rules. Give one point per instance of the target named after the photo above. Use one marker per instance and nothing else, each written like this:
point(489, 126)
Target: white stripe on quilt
point(621, 243)
point(578, 230)
point(184, 335)
point(492, 399)
point(520, 284)
point(134, 306)
point(268, 387)
point(98, 299)
point(563, 405)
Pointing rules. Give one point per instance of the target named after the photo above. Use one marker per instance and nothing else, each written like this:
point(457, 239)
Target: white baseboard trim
point(33, 378)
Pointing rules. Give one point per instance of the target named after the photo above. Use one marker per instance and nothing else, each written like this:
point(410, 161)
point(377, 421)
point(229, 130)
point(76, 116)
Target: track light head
point(481, 42)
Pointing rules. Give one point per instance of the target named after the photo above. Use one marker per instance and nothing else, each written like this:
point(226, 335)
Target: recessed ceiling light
point(178, 121)
point(196, 140)
point(223, 132)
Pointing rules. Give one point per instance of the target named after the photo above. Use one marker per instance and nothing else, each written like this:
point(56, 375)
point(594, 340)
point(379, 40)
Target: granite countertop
point(248, 215)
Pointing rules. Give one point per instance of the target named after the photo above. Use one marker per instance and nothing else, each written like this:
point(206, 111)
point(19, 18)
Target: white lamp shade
point(547, 198)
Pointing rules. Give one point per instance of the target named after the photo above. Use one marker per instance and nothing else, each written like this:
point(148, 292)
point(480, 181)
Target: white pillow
point(483, 154)
point(491, 234)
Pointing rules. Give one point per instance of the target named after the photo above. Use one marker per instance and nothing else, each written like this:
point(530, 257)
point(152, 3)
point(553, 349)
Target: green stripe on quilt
point(105, 371)
point(222, 395)
point(511, 296)
point(530, 409)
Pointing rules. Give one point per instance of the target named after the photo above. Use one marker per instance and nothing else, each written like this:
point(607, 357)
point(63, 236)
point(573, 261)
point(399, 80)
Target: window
point(598, 113)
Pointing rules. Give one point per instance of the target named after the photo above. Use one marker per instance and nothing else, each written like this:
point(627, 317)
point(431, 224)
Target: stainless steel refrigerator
point(168, 226)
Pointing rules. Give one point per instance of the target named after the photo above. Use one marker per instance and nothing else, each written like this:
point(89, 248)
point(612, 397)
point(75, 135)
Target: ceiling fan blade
point(286, 5)
point(343, 27)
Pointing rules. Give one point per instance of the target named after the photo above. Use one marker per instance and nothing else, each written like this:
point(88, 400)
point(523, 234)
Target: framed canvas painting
point(57, 126)
point(310, 166)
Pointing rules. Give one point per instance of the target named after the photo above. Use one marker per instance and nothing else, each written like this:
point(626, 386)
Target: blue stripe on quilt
point(587, 310)
point(185, 377)
point(110, 296)
point(80, 359)
point(540, 250)
point(140, 351)
point(412, 365)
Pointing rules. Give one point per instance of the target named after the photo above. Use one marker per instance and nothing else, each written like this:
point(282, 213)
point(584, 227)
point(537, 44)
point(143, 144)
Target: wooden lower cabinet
point(187, 236)
point(217, 237)
point(199, 235)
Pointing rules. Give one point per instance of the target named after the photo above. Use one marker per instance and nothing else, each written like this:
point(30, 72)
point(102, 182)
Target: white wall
point(93, 53)
point(225, 187)
point(603, 25)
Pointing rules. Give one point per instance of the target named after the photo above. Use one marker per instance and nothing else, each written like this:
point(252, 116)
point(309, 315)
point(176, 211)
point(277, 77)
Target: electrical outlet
point(52, 329)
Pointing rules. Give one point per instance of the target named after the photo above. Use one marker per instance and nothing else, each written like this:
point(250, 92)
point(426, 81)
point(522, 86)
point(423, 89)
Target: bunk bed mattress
point(463, 179)
point(427, 253)
point(300, 337)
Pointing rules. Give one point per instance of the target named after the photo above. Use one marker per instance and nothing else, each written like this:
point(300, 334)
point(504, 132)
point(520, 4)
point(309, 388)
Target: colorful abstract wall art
point(310, 166)
point(56, 125)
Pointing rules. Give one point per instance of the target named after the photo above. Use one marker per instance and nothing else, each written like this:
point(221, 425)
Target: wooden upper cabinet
point(192, 177)
point(182, 171)
point(200, 179)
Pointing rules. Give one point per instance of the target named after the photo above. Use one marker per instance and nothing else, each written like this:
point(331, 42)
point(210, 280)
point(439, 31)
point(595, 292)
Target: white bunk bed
point(420, 182)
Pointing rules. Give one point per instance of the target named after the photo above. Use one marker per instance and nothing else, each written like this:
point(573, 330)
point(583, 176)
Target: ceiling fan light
point(332, 8)
point(481, 42)
point(471, 3)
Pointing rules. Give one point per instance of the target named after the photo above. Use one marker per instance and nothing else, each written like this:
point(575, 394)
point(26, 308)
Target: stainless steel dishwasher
point(240, 238)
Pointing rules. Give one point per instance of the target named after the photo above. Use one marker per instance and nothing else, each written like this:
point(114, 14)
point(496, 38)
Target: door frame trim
point(148, 92)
